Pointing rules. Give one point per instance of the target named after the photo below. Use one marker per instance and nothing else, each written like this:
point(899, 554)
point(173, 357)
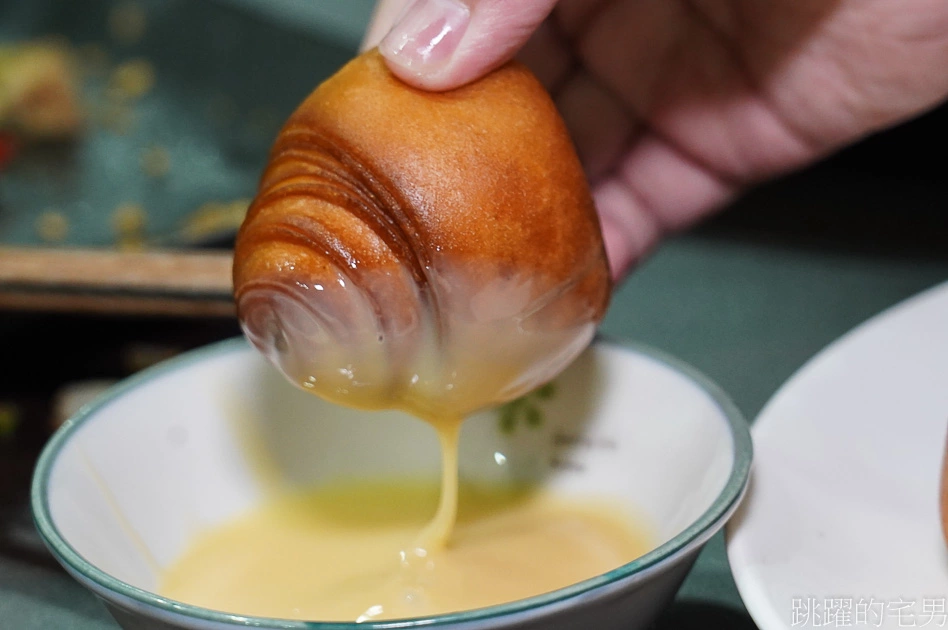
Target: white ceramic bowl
point(123, 486)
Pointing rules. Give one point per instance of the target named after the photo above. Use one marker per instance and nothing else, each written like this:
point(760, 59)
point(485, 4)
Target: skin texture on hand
point(675, 106)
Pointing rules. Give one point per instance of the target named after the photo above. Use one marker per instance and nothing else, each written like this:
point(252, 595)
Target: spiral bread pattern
point(436, 253)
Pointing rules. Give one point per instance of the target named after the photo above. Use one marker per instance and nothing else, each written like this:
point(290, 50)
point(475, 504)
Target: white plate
point(841, 526)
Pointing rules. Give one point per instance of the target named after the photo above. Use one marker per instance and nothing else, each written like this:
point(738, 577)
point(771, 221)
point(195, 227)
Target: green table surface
point(747, 315)
point(746, 312)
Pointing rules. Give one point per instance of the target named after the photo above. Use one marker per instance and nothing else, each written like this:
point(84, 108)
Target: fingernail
point(427, 35)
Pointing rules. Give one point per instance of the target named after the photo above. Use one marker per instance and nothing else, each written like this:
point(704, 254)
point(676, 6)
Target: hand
point(675, 106)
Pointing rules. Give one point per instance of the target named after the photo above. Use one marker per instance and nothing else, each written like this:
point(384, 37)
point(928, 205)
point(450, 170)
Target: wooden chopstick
point(114, 282)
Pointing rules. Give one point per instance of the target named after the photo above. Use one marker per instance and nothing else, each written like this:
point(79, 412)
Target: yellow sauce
point(436, 533)
point(349, 551)
point(360, 551)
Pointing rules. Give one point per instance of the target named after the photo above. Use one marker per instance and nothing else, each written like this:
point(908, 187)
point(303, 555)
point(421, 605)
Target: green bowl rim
point(728, 498)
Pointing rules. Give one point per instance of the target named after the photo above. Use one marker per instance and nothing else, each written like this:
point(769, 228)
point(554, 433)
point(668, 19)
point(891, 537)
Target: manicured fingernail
point(427, 35)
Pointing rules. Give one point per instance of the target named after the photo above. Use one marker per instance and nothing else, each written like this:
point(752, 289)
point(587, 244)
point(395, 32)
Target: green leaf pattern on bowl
point(525, 410)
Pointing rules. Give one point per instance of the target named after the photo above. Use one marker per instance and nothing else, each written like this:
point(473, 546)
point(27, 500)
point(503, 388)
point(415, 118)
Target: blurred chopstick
point(164, 283)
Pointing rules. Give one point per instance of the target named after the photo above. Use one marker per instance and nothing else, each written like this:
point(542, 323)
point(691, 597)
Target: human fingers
point(384, 16)
point(654, 190)
point(443, 44)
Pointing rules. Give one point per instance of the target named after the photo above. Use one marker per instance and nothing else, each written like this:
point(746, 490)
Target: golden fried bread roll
point(433, 252)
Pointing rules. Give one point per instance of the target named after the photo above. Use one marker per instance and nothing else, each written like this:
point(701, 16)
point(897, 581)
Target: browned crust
point(370, 173)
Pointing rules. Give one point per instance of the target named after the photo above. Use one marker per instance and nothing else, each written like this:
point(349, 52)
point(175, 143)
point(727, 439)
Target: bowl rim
point(723, 505)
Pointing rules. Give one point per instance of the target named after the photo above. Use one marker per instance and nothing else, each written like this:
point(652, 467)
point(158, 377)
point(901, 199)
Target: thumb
point(443, 44)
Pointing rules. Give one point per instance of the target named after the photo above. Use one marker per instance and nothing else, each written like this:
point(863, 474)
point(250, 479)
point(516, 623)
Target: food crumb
point(215, 217)
point(127, 23)
point(140, 355)
point(128, 221)
point(9, 420)
point(52, 226)
point(131, 80)
point(155, 161)
point(39, 97)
